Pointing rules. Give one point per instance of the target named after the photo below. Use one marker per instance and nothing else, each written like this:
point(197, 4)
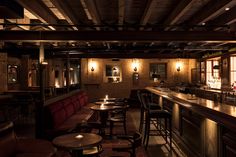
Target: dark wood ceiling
point(132, 28)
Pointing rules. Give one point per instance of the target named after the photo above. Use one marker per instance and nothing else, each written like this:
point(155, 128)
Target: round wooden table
point(108, 99)
point(105, 103)
point(103, 111)
point(76, 142)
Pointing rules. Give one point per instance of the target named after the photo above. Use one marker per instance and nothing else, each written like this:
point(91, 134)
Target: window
point(203, 76)
point(233, 70)
point(158, 71)
point(213, 74)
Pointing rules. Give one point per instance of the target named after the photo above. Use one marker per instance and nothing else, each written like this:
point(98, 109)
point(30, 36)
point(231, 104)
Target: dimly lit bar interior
point(109, 78)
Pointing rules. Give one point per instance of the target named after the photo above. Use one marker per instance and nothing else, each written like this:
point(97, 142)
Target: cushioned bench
point(64, 114)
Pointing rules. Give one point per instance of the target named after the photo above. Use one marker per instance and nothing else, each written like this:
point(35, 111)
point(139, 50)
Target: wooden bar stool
point(155, 117)
point(142, 110)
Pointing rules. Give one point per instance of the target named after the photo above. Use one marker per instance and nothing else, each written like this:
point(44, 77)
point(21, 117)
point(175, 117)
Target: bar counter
point(219, 112)
point(201, 126)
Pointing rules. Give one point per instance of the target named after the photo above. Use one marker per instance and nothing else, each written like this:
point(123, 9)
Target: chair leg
point(111, 128)
point(170, 130)
point(133, 153)
point(166, 129)
point(147, 132)
point(141, 120)
point(125, 127)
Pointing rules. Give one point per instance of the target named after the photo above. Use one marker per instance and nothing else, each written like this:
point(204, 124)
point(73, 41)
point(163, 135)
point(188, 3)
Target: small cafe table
point(108, 99)
point(76, 142)
point(103, 110)
point(105, 103)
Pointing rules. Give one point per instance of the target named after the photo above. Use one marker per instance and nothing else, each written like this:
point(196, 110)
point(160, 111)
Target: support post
point(40, 104)
point(67, 72)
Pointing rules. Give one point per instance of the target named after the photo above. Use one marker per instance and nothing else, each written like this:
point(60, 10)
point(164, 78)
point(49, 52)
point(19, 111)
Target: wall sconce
point(92, 65)
point(178, 69)
point(135, 65)
point(178, 66)
point(92, 69)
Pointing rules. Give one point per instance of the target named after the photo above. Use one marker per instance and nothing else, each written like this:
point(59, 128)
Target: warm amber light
point(135, 65)
point(92, 65)
point(178, 66)
point(57, 83)
point(44, 63)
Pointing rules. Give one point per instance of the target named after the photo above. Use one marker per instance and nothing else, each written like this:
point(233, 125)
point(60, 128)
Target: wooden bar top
point(219, 112)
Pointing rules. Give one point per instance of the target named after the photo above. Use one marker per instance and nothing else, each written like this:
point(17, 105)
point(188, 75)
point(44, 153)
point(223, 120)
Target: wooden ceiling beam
point(179, 11)
point(92, 8)
point(23, 21)
point(121, 9)
point(40, 10)
point(227, 18)
point(210, 10)
point(147, 12)
point(67, 12)
point(122, 55)
point(233, 27)
point(44, 36)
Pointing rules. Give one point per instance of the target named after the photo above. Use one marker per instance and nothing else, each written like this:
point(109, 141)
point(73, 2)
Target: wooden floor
point(157, 146)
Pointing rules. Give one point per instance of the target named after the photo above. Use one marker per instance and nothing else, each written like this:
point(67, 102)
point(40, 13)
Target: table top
point(77, 141)
point(108, 99)
point(104, 108)
point(105, 103)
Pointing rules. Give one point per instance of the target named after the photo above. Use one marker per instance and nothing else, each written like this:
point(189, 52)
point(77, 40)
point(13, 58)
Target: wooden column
point(40, 104)
point(67, 73)
point(3, 72)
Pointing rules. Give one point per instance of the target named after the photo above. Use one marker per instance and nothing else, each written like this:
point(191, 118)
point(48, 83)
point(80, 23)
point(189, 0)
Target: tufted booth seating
point(64, 114)
point(12, 146)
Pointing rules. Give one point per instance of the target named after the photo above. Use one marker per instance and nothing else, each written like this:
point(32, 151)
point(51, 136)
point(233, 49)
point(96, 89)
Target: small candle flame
point(79, 136)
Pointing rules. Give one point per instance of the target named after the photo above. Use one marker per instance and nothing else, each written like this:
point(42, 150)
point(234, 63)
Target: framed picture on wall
point(158, 71)
point(12, 73)
point(113, 73)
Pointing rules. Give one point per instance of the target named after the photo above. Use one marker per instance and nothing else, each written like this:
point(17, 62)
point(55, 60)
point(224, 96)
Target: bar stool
point(142, 109)
point(155, 116)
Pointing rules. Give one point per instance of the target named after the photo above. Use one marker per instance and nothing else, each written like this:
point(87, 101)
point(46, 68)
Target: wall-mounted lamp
point(178, 69)
point(92, 65)
point(92, 69)
point(135, 65)
point(178, 66)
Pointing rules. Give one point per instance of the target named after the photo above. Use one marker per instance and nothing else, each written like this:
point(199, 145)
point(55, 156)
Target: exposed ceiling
point(159, 28)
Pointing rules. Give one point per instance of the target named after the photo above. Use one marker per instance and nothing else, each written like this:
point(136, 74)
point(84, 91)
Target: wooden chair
point(134, 142)
point(118, 116)
point(93, 151)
